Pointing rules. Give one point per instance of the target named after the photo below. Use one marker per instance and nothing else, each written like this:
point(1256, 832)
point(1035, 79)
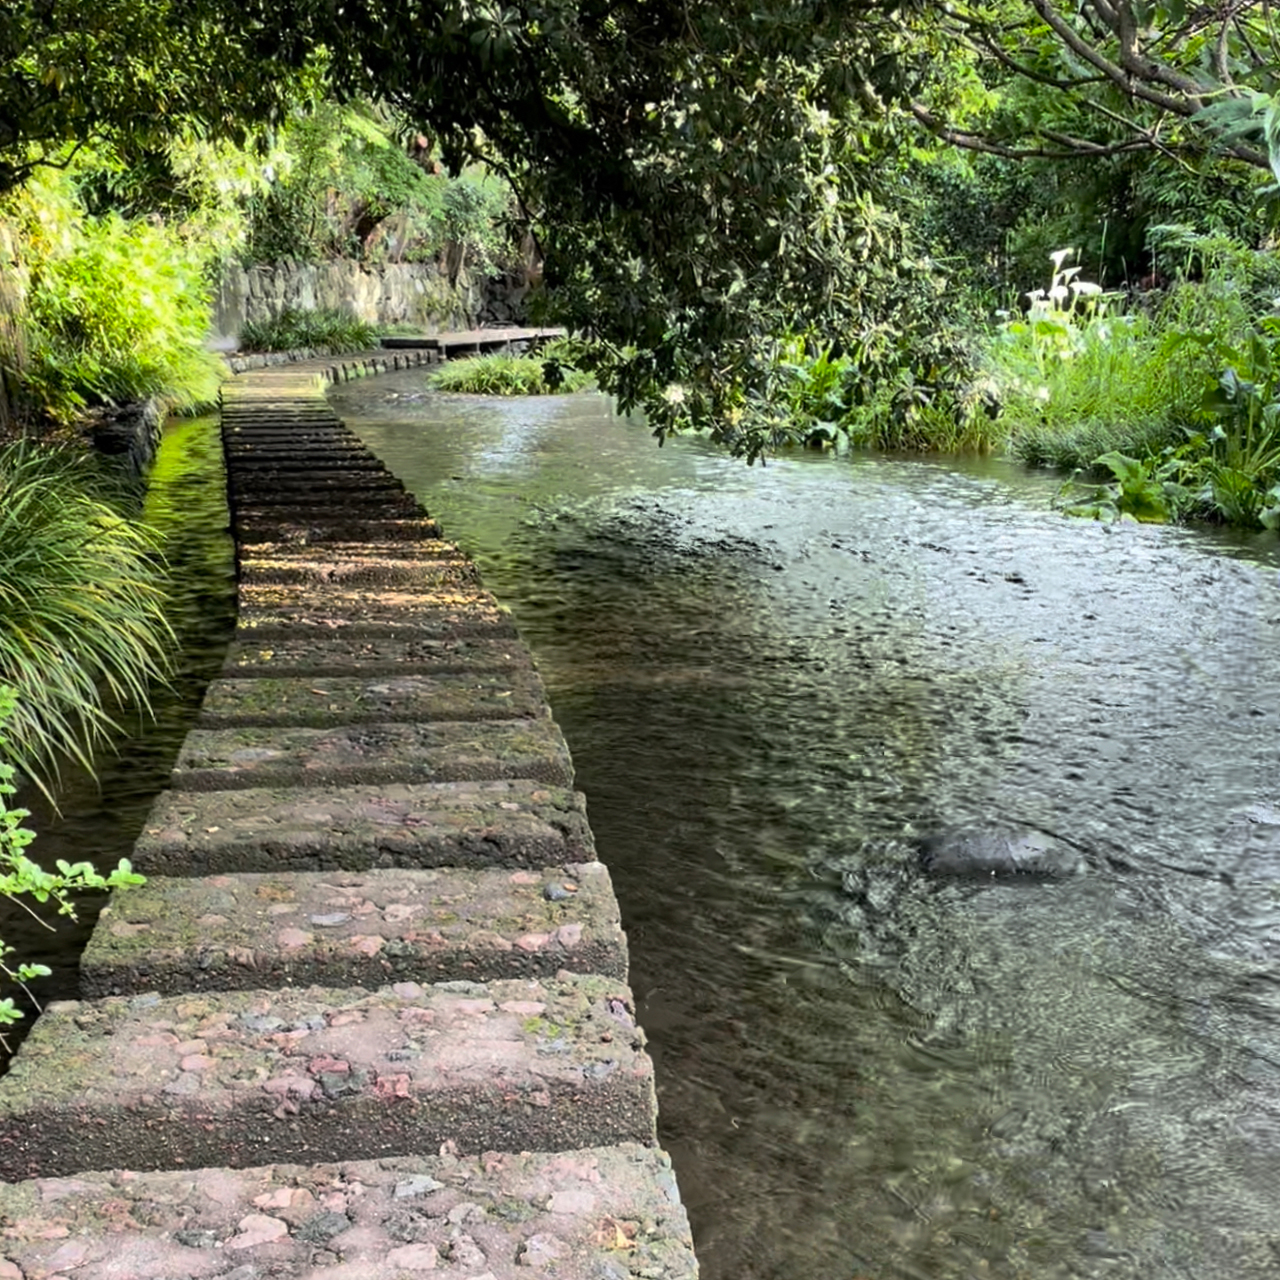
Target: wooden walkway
point(369, 1017)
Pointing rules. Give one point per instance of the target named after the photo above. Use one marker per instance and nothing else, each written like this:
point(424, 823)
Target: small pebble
point(420, 1185)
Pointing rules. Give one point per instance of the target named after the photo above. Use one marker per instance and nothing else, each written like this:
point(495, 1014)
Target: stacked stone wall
point(411, 293)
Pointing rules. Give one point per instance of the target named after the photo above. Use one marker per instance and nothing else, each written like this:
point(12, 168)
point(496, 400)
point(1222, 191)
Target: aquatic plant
point(499, 374)
point(22, 879)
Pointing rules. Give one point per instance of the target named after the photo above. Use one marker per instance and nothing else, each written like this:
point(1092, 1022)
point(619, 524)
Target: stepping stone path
point(368, 1019)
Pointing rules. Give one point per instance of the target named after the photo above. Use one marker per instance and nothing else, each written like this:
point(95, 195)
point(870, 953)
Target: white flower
point(1086, 288)
point(674, 394)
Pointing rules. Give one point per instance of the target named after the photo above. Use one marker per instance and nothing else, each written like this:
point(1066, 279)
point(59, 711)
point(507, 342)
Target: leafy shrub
point(21, 878)
point(507, 375)
point(115, 312)
point(1076, 379)
point(343, 184)
point(293, 330)
point(1177, 411)
point(82, 622)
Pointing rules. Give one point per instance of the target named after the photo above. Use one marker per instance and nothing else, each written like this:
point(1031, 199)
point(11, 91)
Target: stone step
point(307, 462)
point(515, 694)
point(302, 509)
point(325, 1074)
point(368, 929)
point(244, 452)
point(295, 435)
point(371, 550)
point(328, 654)
point(283, 488)
point(294, 530)
point(513, 824)
point(399, 568)
point(260, 434)
point(608, 1213)
point(279, 411)
point(293, 441)
point(300, 609)
point(351, 755)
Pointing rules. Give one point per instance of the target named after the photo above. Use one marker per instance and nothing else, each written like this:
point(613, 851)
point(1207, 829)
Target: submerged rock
point(985, 854)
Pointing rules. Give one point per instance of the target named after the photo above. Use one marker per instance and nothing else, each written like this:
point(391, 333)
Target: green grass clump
point(1077, 380)
point(292, 330)
point(82, 620)
point(507, 375)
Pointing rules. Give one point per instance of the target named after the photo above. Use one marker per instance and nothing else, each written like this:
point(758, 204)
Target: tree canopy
point(133, 72)
point(1116, 76)
point(706, 181)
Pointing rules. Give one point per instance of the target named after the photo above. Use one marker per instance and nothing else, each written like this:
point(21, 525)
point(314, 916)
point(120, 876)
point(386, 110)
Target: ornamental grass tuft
point(82, 618)
point(507, 375)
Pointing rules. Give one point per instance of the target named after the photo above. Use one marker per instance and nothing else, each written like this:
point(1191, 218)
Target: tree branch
point(1071, 148)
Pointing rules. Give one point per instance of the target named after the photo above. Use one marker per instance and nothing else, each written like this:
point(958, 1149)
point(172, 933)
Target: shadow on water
point(773, 682)
point(99, 819)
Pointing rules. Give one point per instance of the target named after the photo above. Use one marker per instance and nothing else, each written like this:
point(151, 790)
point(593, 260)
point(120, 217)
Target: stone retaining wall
point(414, 293)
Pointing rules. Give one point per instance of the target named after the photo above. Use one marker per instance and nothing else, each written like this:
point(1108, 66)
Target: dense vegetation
point(705, 187)
point(552, 370)
point(1045, 227)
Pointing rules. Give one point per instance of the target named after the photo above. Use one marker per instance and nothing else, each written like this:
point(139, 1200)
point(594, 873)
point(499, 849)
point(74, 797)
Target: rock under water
point(1000, 854)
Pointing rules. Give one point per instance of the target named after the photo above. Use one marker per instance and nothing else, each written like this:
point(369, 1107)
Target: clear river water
point(773, 682)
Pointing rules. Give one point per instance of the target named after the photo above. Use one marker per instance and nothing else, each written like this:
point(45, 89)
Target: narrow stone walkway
point(368, 1018)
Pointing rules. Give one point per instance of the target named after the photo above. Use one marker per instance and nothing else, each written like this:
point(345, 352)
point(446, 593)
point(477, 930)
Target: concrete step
point(288, 487)
point(324, 1074)
point(510, 823)
point(291, 609)
point(306, 462)
point(294, 530)
point(607, 1213)
point(351, 755)
point(515, 694)
point(250, 512)
point(368, 929)
point(398, 567)
point(347, 655)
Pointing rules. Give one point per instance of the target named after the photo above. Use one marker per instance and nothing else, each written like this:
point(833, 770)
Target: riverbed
point(775, 681)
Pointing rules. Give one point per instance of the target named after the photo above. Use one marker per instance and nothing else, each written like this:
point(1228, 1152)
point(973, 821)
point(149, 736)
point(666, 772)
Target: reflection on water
point(772, 680)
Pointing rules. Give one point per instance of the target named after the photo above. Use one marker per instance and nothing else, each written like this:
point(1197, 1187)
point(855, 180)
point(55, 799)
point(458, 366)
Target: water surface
point(773, 680)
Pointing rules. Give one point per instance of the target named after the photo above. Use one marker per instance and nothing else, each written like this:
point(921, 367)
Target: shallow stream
point(774, 680)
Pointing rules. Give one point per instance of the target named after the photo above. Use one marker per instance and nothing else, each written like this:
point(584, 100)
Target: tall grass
point(1077, 380)
point(82, 622)
point(294, 330)
point(507, 375)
